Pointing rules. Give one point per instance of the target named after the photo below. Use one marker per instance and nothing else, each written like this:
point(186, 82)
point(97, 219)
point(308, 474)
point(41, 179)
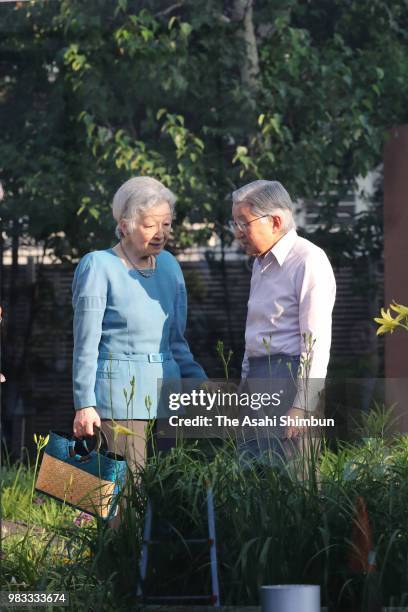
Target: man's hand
point(291, 431)
point(85, 421)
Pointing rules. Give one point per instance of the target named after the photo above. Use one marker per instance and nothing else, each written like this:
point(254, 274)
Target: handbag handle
point(100, 439)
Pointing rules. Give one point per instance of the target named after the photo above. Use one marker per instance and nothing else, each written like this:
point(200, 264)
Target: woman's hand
point(85, 421)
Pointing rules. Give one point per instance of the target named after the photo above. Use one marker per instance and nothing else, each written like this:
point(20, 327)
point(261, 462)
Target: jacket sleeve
point(189, 368)
point(89, 290)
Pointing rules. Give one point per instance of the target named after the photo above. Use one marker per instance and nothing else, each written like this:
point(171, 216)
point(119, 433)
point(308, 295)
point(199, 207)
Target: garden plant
point(272, 526)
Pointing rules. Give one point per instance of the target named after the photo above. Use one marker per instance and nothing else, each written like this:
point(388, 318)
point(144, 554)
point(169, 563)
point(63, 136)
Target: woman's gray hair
point(136, 196)
point(267, 197)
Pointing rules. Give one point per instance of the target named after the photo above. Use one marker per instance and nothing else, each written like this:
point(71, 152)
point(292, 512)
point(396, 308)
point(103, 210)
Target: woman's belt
point(147, 357)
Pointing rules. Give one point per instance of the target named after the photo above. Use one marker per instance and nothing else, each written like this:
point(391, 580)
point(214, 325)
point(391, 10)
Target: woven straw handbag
point(86, 478)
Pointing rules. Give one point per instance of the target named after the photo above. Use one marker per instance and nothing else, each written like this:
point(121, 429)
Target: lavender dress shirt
point(292, 293)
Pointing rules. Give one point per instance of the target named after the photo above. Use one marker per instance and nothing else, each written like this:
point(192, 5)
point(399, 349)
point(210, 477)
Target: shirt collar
point(281, 249)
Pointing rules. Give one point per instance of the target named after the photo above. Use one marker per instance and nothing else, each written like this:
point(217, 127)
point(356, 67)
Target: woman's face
point(151, 230)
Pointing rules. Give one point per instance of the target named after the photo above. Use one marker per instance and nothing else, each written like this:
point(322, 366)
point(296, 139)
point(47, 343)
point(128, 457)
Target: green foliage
point(54, 553)
point(16, 500)
point(92, 93)
point(271, 526)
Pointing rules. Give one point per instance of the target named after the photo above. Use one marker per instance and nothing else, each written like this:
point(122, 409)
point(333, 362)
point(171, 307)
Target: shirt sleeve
point(316, 300)
point(245, 362)
point(245, 366)
point(89, 289)
point(189, 368)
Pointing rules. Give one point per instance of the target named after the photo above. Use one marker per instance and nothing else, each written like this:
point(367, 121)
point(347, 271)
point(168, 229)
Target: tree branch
point(169, 9)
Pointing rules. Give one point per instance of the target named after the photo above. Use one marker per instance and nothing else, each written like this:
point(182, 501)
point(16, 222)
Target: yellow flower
point(67, 560)
point(41, 441)
point(387, 323)
point(402, 310)
point(121, 429)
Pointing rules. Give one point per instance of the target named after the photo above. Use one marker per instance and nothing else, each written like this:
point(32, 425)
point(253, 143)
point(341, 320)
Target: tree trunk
point(243, 11)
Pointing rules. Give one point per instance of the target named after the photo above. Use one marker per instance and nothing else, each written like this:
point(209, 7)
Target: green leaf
point(172, 21)
point(241, 150)
point(160, 113)
point(186, 29)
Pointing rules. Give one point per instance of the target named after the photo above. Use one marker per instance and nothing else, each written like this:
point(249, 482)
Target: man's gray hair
point(267, 197)
point(137, 195)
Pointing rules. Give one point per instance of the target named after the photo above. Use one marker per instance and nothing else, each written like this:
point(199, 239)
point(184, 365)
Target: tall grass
point(272, 527)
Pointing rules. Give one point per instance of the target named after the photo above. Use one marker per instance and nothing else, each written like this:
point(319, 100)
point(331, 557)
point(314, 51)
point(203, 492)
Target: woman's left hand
point(85, 421)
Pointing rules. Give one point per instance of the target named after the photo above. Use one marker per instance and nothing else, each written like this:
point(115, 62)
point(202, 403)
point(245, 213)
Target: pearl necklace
point(141, 271)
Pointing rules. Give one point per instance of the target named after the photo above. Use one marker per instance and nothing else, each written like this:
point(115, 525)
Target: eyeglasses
point(242, 226)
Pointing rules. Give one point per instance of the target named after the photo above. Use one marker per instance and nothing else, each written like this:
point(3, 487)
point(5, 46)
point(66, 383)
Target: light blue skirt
point(127, 388)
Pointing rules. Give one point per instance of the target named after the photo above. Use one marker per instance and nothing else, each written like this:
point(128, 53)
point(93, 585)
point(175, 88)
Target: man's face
point(256, 234)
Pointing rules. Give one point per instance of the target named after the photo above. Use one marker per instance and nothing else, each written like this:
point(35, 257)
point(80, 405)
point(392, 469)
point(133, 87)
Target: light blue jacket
point(126, 325)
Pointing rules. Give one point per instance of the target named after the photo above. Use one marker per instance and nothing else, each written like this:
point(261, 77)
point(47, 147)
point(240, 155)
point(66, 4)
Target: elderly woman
point(130, 311)
point(291, 299)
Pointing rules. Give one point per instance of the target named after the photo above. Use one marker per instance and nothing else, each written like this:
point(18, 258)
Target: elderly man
point(291, 298)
